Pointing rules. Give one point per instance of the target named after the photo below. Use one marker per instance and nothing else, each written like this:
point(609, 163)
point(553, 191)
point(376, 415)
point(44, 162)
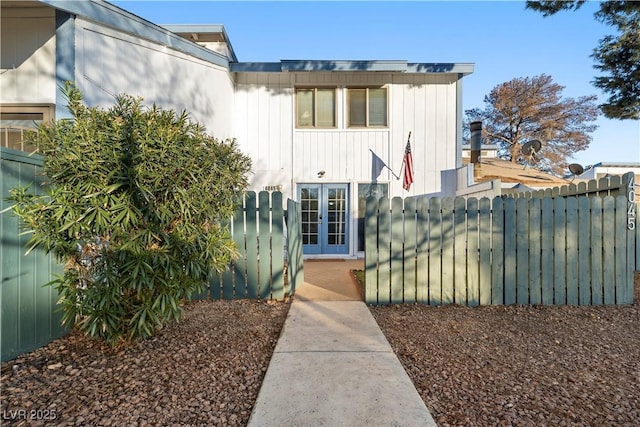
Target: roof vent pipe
point(476, 142)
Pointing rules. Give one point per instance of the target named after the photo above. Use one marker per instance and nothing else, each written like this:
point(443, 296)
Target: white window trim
point(347, 102)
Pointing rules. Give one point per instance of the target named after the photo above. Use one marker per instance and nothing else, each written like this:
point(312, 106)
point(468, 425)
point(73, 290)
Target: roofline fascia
point(120, 19)
point(461, 69)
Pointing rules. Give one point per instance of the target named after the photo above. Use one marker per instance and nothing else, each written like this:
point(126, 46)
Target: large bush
point(135, 211)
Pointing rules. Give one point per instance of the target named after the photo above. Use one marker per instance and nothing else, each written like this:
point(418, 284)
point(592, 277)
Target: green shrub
point(135, 211)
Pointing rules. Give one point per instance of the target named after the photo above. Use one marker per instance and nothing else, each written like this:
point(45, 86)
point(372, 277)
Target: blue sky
point(502, 39)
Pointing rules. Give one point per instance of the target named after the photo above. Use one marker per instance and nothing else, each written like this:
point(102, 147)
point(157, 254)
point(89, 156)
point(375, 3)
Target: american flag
point(408, 165)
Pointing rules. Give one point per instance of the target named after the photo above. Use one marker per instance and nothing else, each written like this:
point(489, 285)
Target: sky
point(501, 38)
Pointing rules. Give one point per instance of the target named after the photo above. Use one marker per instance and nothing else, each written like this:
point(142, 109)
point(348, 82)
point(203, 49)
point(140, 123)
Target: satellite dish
point(530, 149)
point(575, 169)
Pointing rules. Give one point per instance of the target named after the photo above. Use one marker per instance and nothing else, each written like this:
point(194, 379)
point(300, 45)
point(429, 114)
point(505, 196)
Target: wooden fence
point(28, 318)
point(615, 185)
point(258, 231)
point(563, 250)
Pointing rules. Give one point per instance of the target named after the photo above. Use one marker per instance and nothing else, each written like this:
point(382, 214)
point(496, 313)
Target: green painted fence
point(258, 231)
point(562, 250)
point(28, 318)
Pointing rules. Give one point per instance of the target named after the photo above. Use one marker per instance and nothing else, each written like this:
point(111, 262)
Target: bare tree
point(525, 109)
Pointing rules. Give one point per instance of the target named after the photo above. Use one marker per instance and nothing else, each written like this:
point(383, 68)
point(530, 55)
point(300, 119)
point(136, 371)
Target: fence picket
point(522, 251)
point(277, 245)
point(240, 264)
point(621, 251)
point(397, 262)
point(252, 244)
point(584, 249)
point(510, 251)
point(546, 255)
point(597, 251)
point(264, 246)
point(473, 261)
point(484, 242)
point(422, 234)
point(560, 247)
point(497, 252)
point(448, 256)
point(410, 235)
point(572, 278)
point(294, 245)
point(371, 251)
point(608, 246)
point(535, 287)
point(227, 278)
point(435, 251)
point(384, 251)
point(460, 251)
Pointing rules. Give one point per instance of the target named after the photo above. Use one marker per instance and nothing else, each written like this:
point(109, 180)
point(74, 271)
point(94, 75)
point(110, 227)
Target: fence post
point(371, 251)
point(294, 245)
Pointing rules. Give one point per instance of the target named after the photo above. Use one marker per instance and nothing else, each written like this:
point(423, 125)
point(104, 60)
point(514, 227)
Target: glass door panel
point(324, 218)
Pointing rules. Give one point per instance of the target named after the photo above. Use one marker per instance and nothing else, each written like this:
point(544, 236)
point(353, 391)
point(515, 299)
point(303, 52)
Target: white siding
point(109, 63)
point(263, 127)
point(422, 104)
point(27, 55)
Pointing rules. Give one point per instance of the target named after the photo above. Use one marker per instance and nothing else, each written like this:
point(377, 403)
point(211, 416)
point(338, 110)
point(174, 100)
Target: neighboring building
point(514, 176)
point(605, 169)
point(325, 133)
point(487, 151)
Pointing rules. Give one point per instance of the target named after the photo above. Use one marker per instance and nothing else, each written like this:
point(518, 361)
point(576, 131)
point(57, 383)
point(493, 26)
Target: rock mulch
point(205, 370)
point(521, 365)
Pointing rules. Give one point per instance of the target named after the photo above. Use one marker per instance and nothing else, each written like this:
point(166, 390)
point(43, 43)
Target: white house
point(325, 132)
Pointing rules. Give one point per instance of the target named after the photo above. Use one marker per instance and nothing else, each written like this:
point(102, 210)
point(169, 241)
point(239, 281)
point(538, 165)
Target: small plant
point(135, 209)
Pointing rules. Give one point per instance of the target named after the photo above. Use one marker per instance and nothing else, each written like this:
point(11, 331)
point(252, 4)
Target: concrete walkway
point(332, 365)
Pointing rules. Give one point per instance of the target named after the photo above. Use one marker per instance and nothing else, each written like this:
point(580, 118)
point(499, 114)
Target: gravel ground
point(206, 370)
point(521, 365)
point(488, 366)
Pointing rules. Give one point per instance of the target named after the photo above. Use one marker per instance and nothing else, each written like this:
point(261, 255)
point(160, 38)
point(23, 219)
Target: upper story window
point(316, 108)
point(15, 121)
point(367, 107)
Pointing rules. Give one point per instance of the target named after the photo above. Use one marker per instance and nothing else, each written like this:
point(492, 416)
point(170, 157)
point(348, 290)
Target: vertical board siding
point(258, 228)
point(563, 250)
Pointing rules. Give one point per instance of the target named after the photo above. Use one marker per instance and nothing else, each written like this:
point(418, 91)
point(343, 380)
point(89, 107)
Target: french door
point(325, 218)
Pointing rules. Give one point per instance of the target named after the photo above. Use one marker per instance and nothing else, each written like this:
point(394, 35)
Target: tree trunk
point(515, 152)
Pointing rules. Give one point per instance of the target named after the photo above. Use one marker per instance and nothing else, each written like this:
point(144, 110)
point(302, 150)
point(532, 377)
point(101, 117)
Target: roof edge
point(395, 66)
point(113, 16)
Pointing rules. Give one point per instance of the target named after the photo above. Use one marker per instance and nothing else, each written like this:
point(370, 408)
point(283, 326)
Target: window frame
point(315, 106)
point(47, 111)
point(367, 106)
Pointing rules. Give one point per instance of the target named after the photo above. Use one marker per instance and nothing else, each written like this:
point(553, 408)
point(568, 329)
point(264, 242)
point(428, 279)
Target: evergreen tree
point(616, 56)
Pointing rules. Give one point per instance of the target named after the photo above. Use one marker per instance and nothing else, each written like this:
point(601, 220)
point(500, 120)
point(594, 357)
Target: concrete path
point(332, 365)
